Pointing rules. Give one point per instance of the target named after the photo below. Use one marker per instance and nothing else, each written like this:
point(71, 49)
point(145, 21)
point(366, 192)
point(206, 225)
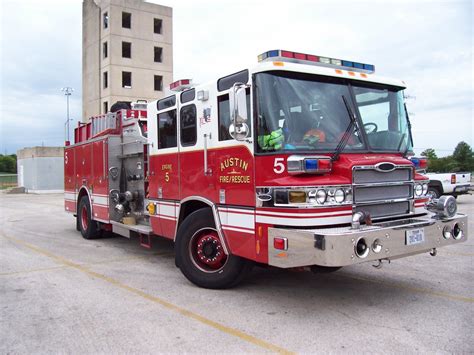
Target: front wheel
point(200, 254)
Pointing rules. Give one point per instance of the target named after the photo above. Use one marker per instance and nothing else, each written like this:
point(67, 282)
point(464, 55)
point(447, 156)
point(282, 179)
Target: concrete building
point(41, 169)
point(127, 52)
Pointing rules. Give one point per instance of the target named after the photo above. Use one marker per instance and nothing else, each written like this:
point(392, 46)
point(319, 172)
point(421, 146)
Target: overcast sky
point(427, 44)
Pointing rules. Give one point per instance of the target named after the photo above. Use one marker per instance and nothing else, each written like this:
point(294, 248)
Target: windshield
point(383, 116)
point(306, 113)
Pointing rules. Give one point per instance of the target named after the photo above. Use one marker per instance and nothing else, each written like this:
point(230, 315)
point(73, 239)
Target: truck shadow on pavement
point(354, 286)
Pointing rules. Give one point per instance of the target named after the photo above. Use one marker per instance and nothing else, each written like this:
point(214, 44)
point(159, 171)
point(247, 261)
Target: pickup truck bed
point(454, 184)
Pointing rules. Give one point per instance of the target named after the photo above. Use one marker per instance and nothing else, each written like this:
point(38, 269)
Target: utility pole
point(67, 91)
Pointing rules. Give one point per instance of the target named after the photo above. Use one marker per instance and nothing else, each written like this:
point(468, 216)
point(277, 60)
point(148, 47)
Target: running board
point(125, 229)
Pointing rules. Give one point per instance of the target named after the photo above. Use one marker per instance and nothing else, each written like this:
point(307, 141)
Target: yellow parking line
point(413, 289)
point(86, 264)
point(223, 328)
point(32, 270)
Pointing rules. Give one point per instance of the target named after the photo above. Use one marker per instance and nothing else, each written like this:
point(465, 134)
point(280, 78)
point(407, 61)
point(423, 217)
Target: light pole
point(67, 91)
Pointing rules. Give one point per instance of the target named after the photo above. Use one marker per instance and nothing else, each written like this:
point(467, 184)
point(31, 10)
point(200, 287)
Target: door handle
point(207, 171)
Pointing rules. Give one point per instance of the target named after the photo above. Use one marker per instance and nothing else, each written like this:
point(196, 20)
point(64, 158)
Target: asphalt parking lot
point(61, 293)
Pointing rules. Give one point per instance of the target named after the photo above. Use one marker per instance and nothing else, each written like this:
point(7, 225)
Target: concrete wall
point(141, 64)
point(41, 168)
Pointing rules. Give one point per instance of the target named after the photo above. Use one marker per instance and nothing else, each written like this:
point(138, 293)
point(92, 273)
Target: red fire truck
point(300, 162)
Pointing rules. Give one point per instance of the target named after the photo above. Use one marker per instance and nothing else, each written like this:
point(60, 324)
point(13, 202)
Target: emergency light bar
point(297, 164)
point(419, 163)
point(293, 57)
point(180, 85)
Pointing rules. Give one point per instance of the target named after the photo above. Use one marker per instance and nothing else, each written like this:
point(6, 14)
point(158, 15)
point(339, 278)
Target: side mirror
point(238, 111)
point(239, 132)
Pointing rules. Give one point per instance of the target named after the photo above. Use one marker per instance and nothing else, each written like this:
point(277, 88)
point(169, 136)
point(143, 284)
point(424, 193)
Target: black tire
point(87, 226)
point(324, 269)
point(433, 192)
point(197, 234)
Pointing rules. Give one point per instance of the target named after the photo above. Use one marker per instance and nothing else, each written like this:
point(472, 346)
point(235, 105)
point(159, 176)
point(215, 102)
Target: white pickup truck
point(454, 184)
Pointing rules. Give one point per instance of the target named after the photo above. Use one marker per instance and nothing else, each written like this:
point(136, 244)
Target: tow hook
point(434, 252)
point(380, 263)
point(359, 217)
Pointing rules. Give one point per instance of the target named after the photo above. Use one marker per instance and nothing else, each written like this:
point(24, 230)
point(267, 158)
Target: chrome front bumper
point(337, 246)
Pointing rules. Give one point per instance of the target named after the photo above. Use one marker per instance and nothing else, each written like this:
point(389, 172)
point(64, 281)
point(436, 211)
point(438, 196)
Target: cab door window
point(224, 116)
point(188, 125)
point(167, 133)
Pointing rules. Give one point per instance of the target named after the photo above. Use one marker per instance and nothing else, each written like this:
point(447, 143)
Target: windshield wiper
point(409, 133)
point(347, 134)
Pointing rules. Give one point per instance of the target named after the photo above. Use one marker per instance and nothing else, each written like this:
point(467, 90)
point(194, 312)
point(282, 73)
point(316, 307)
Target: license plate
point(415, 236)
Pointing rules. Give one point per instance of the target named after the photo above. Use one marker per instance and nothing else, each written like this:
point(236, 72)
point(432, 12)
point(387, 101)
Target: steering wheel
point(370, 127)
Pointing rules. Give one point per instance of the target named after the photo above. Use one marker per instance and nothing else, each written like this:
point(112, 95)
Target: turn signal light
point(151, 208)
point(297, 197)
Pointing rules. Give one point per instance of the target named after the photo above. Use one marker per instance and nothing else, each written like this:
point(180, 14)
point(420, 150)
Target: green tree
point(463, 156)
point(442, 165)
point(429, 153)
point(8, 164)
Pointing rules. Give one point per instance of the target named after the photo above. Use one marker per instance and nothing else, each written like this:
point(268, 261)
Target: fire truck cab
point(301, 161)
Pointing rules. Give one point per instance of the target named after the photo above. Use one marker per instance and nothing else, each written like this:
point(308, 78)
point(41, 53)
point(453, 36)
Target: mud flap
point(145, 240)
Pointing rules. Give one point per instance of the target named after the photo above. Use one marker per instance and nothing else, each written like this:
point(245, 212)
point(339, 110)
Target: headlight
point(425, 189)
point(418, 190)
point(316, 196)
point(321, 196)
point(339, 196)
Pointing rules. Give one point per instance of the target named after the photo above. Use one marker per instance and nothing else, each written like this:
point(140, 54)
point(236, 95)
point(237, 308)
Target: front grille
point(367, 176)
point(382, 210)
point(383, 193)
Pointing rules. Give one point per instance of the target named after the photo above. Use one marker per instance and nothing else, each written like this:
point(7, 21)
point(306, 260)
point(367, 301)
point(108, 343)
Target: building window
point(105, 49)
point(126, 20)
point(157, 25)
point(158, 54)
point(106, 107)
point(106, 80)
point(188, 125)
point(105, 18)
point(126, 79)
point(158, 83)
point(126, 50)
point(167, 129)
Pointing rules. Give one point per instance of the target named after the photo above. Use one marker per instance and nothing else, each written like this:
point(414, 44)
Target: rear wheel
point(200, 254)
point(87, 226)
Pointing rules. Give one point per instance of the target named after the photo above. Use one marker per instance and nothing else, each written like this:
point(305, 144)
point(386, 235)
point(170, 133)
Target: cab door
point(166, 165)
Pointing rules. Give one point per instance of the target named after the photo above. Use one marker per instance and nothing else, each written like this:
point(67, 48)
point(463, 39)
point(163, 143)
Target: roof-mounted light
point(294, 57)
point(180, 85)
